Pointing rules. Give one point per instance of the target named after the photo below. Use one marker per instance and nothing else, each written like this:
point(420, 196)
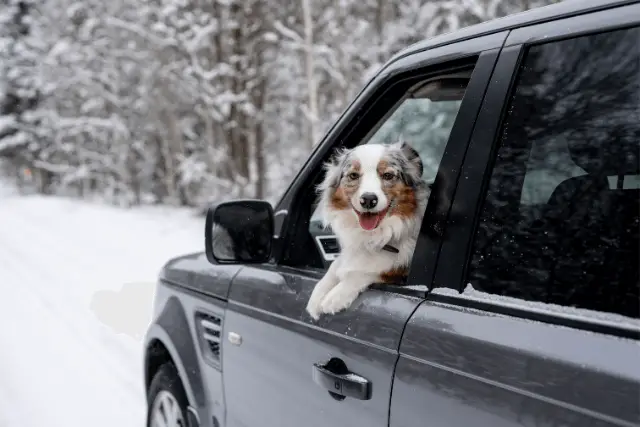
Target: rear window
point(560, 220)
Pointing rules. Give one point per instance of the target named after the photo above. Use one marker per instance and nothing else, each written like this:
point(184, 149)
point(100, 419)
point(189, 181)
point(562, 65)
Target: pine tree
point(20, 137)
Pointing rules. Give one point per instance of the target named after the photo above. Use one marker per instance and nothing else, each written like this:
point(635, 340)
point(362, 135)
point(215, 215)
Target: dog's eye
point(388, 176)
point(353, 176)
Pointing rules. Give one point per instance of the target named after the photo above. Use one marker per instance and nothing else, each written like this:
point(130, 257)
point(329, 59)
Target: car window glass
point(560, 221)
point(423, 123)
point(546, 169)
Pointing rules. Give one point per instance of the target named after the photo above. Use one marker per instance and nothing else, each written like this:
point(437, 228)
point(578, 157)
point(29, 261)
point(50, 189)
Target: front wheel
point(167, 400)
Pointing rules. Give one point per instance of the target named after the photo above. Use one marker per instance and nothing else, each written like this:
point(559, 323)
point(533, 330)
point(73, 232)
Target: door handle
point(345, 384)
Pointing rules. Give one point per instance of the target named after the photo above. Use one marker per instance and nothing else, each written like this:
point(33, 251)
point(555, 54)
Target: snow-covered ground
point(63, 265)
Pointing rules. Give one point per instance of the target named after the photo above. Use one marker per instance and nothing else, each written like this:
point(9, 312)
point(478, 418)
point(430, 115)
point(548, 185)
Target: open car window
point(424, 118)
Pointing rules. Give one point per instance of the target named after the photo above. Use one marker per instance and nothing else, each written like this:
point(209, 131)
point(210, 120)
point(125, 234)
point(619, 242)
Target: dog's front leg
point(345, 293)
point(326, 284)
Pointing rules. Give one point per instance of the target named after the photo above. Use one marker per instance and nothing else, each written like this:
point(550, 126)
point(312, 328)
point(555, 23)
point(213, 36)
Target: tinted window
point(560, 221)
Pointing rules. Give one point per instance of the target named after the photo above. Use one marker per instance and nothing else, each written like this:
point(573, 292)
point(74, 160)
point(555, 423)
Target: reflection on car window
point(560, 222)
point(540, 180)
point(423, 123)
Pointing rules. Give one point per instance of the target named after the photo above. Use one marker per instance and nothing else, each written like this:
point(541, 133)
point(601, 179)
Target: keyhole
point(336, 366)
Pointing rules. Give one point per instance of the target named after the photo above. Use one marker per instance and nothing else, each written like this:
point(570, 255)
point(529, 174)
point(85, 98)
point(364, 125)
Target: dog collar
point(390, 248)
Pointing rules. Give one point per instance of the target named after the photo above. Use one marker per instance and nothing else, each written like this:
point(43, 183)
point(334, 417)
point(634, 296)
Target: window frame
point(365, 113)
point(456, 250)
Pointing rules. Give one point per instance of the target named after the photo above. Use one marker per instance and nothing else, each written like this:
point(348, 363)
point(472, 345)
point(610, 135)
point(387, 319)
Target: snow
point(62, 264)
point(6, 123)
point(609, 319)
point(12, 141)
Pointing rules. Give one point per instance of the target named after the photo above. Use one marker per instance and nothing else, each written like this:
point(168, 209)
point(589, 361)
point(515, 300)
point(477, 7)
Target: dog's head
point(374, 182)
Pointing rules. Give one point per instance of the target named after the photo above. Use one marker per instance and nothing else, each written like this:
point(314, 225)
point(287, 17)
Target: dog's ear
point(412, 165)
point(413, 157)
point(334, 170)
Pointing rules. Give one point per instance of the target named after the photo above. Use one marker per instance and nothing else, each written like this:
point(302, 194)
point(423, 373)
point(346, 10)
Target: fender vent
point(210, 330)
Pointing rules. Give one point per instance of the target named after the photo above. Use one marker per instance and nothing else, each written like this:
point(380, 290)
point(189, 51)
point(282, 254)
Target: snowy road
point(61, 262)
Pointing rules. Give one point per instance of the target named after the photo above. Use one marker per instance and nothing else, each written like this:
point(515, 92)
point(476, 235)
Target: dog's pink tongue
point(369, 222)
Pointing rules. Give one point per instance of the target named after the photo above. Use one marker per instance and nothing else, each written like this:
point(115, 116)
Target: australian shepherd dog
point(374, 198)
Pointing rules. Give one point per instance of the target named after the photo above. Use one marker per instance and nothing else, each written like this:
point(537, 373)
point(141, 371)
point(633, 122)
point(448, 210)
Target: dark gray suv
point(521, 307)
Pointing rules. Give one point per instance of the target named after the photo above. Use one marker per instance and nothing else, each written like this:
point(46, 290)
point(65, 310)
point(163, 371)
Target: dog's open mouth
point(370, 220)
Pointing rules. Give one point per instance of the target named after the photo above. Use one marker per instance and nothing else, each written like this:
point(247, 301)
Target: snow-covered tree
point(21, 138)
point(189, 101)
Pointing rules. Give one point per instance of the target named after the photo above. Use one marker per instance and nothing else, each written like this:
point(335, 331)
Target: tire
point(167, 399)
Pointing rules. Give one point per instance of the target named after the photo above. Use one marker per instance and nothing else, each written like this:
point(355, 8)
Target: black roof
point(538, 15)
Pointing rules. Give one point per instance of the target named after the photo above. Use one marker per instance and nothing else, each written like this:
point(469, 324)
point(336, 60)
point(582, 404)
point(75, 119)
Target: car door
point(282, 369)
point(542, 243)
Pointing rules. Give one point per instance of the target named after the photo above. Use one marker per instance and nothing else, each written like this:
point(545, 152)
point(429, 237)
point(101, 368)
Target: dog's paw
point(340, 298)
point(317, 295)
point(314, 309)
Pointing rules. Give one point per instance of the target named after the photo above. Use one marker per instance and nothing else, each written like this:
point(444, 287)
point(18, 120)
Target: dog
point(373, 197)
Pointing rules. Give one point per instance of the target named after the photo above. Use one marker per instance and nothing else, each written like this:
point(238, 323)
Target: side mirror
point(239, 231)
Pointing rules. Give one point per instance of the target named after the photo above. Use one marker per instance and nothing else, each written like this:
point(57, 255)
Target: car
point(521, 306)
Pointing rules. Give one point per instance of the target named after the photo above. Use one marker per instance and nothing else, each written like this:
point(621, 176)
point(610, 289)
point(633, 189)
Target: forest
point(185, 102)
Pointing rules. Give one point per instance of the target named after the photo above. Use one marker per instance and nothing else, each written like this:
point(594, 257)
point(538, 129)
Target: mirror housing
point(239, 231)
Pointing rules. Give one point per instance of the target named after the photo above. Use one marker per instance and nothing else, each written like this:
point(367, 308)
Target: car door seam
point(398, 354)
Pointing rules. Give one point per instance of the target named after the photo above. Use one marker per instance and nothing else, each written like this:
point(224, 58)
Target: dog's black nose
point(368, 200)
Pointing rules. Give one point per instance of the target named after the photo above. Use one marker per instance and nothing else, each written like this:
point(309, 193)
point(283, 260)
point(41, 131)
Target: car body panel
point(194, 272)
point(174, 326)
point(271, 371)
point(460, 365)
